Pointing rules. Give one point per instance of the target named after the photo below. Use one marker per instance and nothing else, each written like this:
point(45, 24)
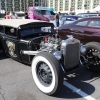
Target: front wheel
point(47, 73)
point(92, 56)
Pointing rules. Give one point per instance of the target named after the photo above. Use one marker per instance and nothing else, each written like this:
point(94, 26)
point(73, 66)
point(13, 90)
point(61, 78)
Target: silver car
point(68, 19)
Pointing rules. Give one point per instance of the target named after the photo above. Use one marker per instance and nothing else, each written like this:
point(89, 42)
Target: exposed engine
point(50, 43)
point(66, 51)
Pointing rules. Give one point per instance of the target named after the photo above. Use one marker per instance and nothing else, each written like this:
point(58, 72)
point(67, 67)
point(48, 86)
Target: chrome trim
point(30, 52)
point(81, 63)
point(24, 41)
point(57, 54)
point(82, 49)
point(62, 68)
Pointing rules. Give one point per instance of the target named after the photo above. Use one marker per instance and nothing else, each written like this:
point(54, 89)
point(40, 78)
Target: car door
point(78, 30)
point(92, 31)
point(10, 43)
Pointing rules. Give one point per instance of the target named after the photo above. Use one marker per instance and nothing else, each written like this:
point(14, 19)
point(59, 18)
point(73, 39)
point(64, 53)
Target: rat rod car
point(34, 42)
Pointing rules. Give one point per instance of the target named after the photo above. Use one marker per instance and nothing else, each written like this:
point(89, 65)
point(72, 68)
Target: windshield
point(33, 31)
point(46, 12)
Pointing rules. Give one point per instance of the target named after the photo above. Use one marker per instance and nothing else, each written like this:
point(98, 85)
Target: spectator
point(60, 15)
point(57, 19)
point(26, 15)
point(12, 15)
point(7, 15)
point(16, 15)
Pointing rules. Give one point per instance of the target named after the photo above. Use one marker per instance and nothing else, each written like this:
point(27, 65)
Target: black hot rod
point(35, 42)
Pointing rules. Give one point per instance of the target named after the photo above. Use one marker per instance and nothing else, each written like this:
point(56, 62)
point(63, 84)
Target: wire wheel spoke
point(92, 56)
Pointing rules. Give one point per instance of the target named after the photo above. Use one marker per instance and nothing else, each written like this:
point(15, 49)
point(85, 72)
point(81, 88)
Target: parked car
point(34, 42)
point(88, 14)
point(20, 14)
point(40, 13)
point(87, 30)
point(66, 19)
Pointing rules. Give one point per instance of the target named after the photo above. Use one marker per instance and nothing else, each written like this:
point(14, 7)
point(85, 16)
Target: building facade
point(66, 6)
point(63, 6)
point(20, 5)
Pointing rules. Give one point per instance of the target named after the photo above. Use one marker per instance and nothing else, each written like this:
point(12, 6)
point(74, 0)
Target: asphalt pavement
point(16, 83)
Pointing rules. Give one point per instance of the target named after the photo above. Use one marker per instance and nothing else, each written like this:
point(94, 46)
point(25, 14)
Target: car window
point(83, 23)
point(1, 29)
point(63, 18)
point(10, 31)
point(52, 13)
point(47, 12)
point(33, 31)
point(78, 18)
point(43, 12)
point(70, 19)
point(94, 24)
point(92, 15)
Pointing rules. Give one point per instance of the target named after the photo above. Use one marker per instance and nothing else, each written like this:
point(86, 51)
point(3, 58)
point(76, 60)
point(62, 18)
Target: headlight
point(82, 49)
point(57, 54)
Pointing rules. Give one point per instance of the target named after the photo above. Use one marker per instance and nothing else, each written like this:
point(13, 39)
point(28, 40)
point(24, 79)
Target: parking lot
point(16, 83)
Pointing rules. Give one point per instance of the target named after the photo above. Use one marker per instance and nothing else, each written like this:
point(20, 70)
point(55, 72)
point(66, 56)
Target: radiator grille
point(72, 55)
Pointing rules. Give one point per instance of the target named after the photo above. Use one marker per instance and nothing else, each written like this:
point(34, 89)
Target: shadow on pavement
point(82, 80)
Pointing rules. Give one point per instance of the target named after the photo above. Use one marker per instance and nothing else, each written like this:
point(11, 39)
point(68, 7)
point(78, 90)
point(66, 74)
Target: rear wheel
point(92, 56)
point(47, 73)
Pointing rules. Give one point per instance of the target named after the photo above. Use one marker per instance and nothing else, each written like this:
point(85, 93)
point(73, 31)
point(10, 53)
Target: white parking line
point(78, 91)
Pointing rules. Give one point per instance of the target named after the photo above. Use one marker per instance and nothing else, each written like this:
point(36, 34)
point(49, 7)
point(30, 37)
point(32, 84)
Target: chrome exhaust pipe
point(30, 52)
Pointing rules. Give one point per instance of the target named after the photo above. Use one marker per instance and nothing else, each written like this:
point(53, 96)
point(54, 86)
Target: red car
point(86, 29)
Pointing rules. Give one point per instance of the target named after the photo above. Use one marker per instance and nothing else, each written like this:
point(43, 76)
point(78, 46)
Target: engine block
point(50, 43)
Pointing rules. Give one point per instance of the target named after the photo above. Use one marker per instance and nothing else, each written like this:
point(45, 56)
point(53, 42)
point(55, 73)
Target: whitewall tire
point(47, 73)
